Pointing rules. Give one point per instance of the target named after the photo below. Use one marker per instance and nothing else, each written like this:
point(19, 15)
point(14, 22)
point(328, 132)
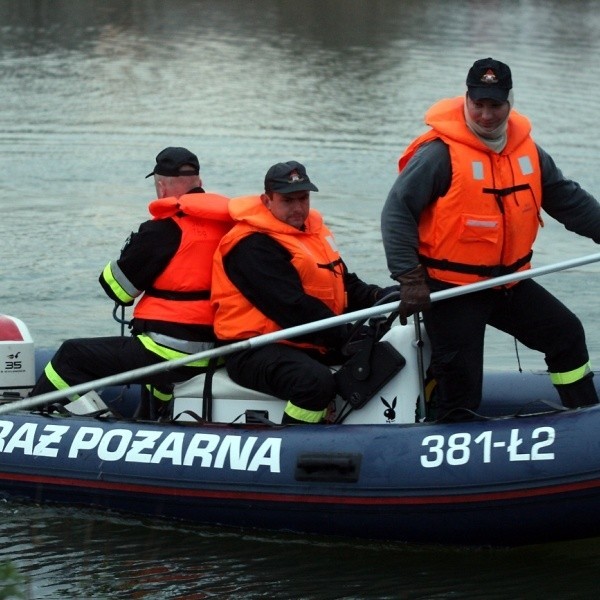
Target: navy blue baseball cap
point(489, 79)
point(288, 177)
point(170, 162)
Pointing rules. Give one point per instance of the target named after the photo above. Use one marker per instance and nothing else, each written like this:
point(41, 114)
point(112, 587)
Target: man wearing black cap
point(466, 207)
point(167, 267)
point(277, 268)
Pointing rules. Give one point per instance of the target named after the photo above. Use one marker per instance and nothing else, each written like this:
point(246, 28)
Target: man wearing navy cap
point(278, 268)
point(466, 207)
point(166, 269)
point(176, 162)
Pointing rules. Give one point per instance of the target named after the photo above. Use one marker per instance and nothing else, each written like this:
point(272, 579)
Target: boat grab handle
point(328, 467)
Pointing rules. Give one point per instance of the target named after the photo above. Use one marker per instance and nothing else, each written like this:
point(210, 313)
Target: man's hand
point(414, 293)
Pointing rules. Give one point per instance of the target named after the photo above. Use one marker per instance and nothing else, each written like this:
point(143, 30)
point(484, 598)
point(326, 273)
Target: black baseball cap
point(489, 79)
point(170, 160)
point(288, 177)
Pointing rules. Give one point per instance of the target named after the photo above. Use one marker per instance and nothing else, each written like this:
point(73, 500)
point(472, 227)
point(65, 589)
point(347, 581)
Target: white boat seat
point(222, 388)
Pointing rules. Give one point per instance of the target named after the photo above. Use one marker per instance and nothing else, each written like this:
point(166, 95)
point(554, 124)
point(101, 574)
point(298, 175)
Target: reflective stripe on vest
point(570, 376)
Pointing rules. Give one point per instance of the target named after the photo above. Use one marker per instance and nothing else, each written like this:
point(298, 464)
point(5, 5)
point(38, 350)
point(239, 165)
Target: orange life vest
point(487, 222)
point(181, 293)
point(314, 256)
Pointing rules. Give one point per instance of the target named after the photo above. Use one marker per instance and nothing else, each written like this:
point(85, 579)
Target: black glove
point(414, 293)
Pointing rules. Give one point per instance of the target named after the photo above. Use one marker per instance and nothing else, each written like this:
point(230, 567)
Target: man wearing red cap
point(466, 207)
point(167, 267)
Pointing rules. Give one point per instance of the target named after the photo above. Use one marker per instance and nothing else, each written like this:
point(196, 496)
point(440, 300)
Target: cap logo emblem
point(489, 77)
point(295, 177)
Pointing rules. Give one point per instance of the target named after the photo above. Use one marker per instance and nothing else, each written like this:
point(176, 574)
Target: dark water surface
point(83, 554)
point(91, 91)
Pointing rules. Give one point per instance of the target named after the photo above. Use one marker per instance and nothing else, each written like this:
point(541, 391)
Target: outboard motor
point(17, 359)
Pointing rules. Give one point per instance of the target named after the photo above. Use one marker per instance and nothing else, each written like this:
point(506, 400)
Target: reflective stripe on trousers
point(301, 414)
point(169, 353)
point(570, 376)
point(57, 381)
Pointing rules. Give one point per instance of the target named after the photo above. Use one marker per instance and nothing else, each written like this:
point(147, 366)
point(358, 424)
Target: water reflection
point(93, 90)
point(91, 554)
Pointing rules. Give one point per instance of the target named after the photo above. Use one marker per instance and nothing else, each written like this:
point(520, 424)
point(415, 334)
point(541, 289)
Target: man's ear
point(265, 199)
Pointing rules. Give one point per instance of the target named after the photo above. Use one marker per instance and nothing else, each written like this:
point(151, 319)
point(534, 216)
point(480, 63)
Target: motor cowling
point(17, 359)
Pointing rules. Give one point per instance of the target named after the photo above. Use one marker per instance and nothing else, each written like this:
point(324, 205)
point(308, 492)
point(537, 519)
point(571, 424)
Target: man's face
point(488, 114)
point(290, 208)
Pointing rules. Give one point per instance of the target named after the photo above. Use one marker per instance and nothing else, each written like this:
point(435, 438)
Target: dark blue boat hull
point(507, 481)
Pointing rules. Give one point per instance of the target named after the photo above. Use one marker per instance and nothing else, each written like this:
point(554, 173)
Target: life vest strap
point(506, 191)
point(173, 295)
point(481, 270)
